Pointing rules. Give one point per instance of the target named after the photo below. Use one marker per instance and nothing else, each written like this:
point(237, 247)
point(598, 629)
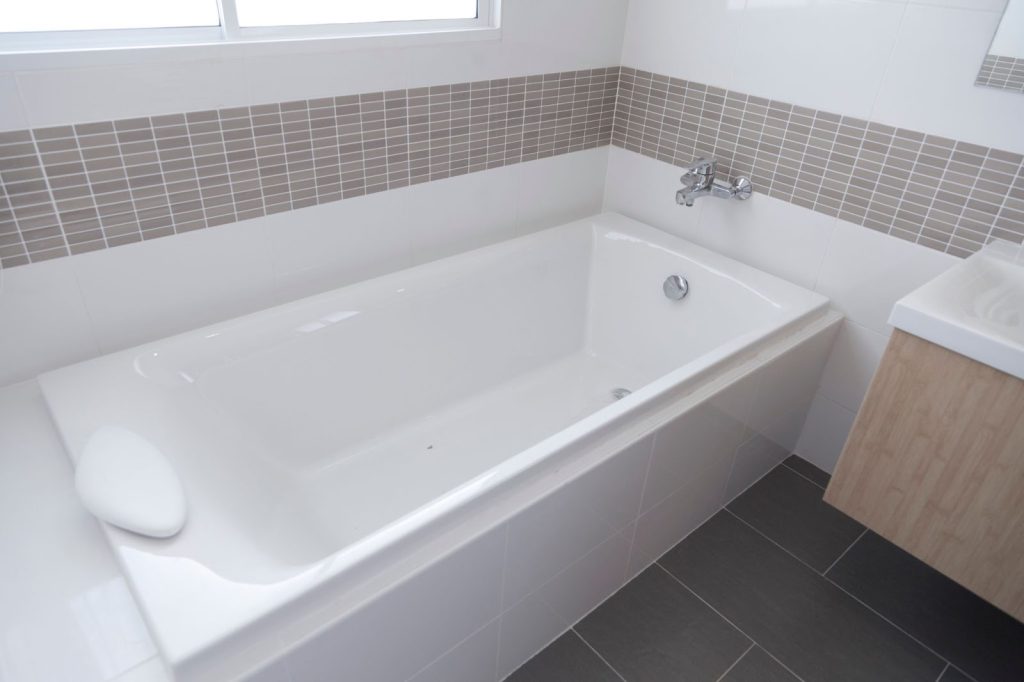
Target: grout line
point(839, 558)
point(577, 621)
point(501, 600)
point(942, 672)
point(1006, 198)
point(872, 610)
point(597, 653)
point(455, 646)
point(736, 662)
point(815, 483)
point(53, 203)
point(843, 590)
point(727, 620)
point(756, 530)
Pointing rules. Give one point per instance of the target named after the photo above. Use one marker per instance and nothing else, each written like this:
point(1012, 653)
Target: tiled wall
point(72, 189)
point(1002, 72)
point(941, 193)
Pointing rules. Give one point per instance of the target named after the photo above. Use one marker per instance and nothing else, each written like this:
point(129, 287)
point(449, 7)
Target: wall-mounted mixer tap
point(699, 181)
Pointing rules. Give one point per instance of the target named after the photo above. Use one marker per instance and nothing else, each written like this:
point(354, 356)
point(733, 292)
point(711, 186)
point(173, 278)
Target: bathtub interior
point(301, 430)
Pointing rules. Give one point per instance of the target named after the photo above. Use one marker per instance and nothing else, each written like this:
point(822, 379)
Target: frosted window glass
point(83, 15)
point(305, 12)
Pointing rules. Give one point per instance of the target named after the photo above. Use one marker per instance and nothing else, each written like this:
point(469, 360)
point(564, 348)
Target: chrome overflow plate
point(675, 287)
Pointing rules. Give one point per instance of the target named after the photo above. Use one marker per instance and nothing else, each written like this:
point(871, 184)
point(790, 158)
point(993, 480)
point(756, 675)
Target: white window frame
point(124, 44)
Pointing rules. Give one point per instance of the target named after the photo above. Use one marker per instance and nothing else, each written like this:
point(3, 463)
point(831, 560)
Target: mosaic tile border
point(72, 189)
point(948, 195)
point(1001, 72)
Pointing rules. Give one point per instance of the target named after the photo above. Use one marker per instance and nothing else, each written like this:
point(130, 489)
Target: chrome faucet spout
point(699, 181)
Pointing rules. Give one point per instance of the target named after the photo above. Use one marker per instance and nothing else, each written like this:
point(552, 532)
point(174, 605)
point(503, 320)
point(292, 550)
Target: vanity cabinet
point(935, 464)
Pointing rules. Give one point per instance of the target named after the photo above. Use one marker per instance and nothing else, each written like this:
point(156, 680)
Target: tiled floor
point(781, 586)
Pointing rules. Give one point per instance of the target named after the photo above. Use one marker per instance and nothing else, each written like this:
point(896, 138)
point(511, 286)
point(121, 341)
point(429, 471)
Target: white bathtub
point(332, 447)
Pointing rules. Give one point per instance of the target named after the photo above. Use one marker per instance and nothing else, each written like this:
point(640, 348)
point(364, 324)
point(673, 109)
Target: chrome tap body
point(699, 181)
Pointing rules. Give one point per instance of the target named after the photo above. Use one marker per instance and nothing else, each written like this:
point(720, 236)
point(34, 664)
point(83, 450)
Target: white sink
point(975, 308)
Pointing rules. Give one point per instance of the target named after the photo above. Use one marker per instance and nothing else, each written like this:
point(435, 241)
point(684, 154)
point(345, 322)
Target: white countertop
point(975, 308)
point(67, 614)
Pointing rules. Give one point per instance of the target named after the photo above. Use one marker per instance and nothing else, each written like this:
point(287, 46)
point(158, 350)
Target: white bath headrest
point(125, 480)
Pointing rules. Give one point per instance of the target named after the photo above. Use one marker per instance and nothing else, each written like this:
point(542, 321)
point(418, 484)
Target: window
point(20, 16)
point(317, 12)
point(49, 24)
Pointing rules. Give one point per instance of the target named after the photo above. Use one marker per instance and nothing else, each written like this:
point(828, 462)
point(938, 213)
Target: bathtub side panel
point(784, 391)
point(413, 624)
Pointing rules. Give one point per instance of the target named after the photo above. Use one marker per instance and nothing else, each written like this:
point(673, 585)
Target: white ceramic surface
point(975, 308)
point(293, 428)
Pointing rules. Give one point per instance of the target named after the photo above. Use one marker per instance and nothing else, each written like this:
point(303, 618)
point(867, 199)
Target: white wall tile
point(979, 5)
point(60, 96)
point(540, 618)
point(12, 114)
point(691, 445)
point(395, 636)
point(929, 85)
point(43, 320)
point(555, 532)
point(544, 36)
point(769, 234)
point(661, 528)
point(852, 363)
point(462, 213)
point(785, 387)
point(824, 434)
point(826, 54)
point(865, 272)
point(149, 290)
point(281, 78)
point(558, 190)
point(754, 459)
point(275, 672)
point(684, 39)
point(323, 247)
point(473, 660)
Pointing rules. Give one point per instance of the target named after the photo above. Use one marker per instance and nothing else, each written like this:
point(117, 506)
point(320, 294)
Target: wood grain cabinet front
point(935, 464)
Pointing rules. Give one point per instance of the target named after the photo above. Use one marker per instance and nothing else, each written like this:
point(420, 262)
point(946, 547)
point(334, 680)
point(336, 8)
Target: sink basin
point(975, 308)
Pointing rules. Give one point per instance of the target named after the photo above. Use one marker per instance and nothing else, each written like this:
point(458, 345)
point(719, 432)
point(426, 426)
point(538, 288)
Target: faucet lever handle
point(699, 173)
point(702, 166)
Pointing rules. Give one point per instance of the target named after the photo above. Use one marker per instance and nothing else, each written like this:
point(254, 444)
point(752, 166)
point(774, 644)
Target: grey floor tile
point(654, 629)
point(567, 658)
point(969, 632)
point(953, 675)
point(813, 627)
point(757, 666)
point(788, 508)
point(808, 470)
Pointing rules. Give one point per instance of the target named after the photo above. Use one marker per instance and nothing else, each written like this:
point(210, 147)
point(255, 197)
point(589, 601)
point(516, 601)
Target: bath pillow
point(125, 480)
